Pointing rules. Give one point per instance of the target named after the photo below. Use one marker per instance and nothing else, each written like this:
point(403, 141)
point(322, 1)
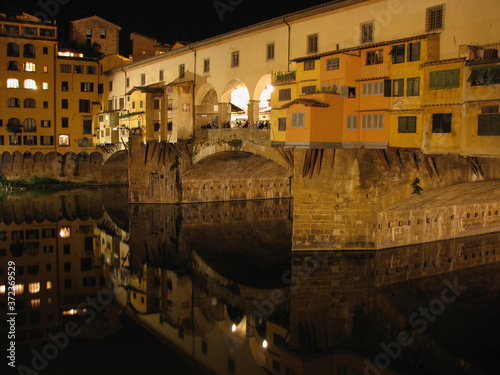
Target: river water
point(105, 287)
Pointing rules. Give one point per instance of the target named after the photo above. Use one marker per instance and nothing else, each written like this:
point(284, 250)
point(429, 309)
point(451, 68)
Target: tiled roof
point(306, 102)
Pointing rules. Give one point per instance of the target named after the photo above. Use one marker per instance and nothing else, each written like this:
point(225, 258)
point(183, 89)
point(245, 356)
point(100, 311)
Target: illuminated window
point(12, 83)
point(64, 232)
point(45, 68)
point(2, 289)
point(34, 287)
point(45, 86)
point(30, 84)
point(29, 67)
point(34, 303)
point(63, 141)
point(18, 289)
point(49, 285)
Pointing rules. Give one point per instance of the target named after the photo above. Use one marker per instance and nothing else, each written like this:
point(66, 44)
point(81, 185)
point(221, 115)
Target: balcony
point(282, 77)
point(376, 71)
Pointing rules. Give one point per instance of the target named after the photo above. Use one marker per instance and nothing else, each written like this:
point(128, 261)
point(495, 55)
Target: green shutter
point(387, 87)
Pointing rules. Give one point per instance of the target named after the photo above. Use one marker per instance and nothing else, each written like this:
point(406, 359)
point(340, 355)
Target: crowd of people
point(238, 124)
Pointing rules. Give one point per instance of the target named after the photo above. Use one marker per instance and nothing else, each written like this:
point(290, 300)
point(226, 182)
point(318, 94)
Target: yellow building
point(481, 118)
point(27, 88)
point(77, 102)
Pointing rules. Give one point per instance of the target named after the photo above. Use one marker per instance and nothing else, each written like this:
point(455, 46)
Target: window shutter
point(387, 87)
point(344, 91)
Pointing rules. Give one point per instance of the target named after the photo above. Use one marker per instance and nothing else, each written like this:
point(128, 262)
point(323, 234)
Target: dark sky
point(168, 21)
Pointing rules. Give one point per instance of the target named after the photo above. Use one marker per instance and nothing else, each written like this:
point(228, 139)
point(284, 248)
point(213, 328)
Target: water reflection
point(217, 283)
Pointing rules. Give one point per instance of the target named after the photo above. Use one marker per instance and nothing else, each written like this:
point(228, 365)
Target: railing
point(282, 77)
point(375, 71)
point(233, 133)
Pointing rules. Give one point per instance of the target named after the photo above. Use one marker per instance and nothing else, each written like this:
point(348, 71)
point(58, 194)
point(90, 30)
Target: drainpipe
point(289, 31)
point(194, 86)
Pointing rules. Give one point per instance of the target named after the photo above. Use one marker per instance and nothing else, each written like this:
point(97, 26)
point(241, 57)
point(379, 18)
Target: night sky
point(168, 21)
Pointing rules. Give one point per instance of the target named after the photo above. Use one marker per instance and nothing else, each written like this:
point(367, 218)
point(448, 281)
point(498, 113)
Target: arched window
point(12, 49)
point(29, 103)
point(29, 67)
point(29, 125)
point(30, 84)
point(13, 121)
point(13, 103)
point(12, 83)
point(12, 65)
point(29, 50)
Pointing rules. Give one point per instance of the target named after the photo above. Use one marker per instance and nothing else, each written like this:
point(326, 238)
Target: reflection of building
point(56, 270)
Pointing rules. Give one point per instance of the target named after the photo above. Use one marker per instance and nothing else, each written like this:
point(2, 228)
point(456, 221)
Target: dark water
point(110, 288)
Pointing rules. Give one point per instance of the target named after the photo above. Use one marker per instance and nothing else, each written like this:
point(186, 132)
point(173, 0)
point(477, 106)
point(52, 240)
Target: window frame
point(413, 86)
point(235, 59)
point(312, 43)
point(440, 124)
point(404, 128)
point(298, 120)
point(367, 32)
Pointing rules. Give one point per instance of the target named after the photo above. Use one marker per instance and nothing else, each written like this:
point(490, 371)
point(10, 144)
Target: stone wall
point(338, 207)
point(69, 167)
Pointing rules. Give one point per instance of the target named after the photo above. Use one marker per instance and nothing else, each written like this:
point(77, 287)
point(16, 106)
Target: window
point(12, 49)
point(87, 87)
point(351, 122)
point(103, 34)
point(309, 65)
point(89, 281)
point(45, 86)
point(127, 82)
point(78, 69)
point(312, 43)
point(29, 31)
point(332, 64)
point(141, 104)
point(407, 124)
point(88, 32)
point(298, 120)
point(122, 103)
point(64, 103)
point(231, 367)
point(30, 84)
point(282, 124)
point(45, 69)
point(485, 76)
point(45, 104)
point(110, 86)
point(29, 67)
point(434, 18)
point(308, 90)
point(347, 92)
point(45, 123)
point(84, 106)
point(47, 32)
point(285, 94)
point(143, 79)
point(398, 54)
point(65, 68)
point(29, 103)
point(441, 122)
point(63, 140)
point(375, 57)
point(156, 103)
point(372, 121)
point(47, 140)
point(91, 70)
point(33, 288)
point(488, 124)
point(45, 50)
point(373, 88)
point(13, 103)
point(444, 79)
point(160, 75)
point(29, 140)
point(13, 65)
point(64, 122)
point(270, 51)
point(29, 125)
point(206, 66)
point(413, 86)
point(182, 70)
point(67, 267)
point(235, 59)
point(414, 51)
point(11, 29)
point(29, 50)
point(12, 83)
point(367, 32)
point(398, 87)
point(156, 126)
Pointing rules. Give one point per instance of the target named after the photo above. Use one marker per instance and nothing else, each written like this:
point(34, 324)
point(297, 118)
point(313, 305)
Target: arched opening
point(207, 108)
point(234, 100)
point(262, 93)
